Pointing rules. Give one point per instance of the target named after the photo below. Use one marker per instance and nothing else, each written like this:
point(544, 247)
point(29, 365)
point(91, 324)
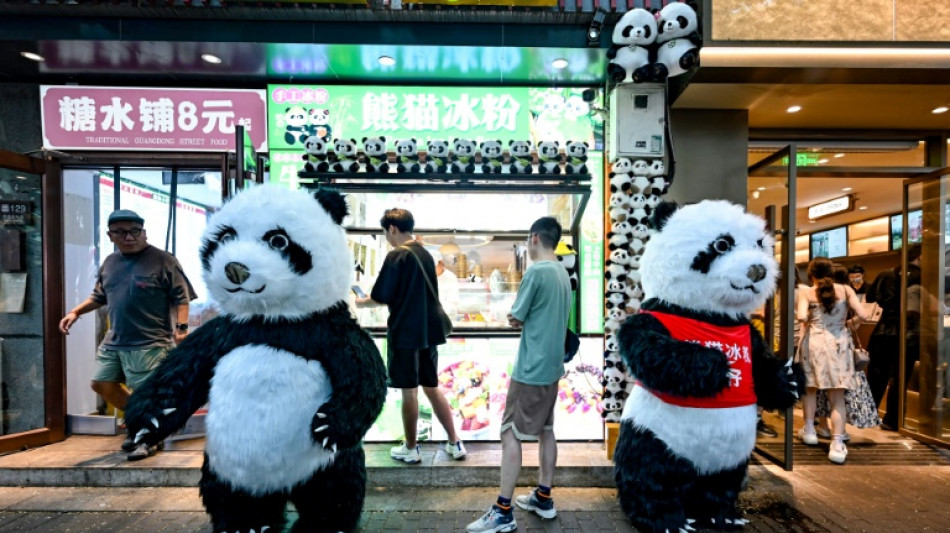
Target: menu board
point(830, 243)
point(915, 228)
point(474, 375)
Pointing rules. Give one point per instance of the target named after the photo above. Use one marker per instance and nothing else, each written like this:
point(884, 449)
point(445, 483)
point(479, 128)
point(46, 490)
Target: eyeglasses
point(121, 233)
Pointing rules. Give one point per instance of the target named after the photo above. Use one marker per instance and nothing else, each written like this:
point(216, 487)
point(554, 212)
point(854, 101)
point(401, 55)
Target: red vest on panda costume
point(734, 341)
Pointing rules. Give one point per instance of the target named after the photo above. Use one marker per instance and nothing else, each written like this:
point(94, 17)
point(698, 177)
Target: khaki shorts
point(529, 410)
point(131, 367)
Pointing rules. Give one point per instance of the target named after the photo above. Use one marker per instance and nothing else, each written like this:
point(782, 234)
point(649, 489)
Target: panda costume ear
point(333, 203)
point(661, 214)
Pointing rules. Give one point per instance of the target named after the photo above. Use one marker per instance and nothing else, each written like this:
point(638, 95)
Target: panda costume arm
point(670, 366)
point(778, 384)
point(358, 396)
point(178, 386)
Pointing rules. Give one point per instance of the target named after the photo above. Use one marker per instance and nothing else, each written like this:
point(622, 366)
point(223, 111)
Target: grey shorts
point(529, 409)
point(131, 367)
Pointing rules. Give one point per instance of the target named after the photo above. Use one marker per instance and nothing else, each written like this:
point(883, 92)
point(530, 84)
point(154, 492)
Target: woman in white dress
point(826, 351)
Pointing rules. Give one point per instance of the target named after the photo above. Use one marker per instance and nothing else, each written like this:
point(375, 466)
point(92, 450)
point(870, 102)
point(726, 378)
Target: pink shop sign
point(139, 119)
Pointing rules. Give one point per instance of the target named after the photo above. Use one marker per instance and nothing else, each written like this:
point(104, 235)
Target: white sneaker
point(456, 451)
point(406, 455)
point(494, 521)
point(531, 502)
point(826, 434)
point(837, 454)
point(808, 437)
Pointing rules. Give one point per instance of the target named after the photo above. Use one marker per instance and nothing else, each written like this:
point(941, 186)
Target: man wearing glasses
point(147, 294)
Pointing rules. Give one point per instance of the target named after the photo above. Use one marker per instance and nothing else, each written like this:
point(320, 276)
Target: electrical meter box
point(637, 120)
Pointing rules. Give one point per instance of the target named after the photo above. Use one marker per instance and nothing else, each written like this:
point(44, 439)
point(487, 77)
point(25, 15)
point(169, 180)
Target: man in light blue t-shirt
point(541, 310)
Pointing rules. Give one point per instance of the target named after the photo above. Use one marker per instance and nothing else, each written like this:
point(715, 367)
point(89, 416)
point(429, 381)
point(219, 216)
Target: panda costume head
point(259, 250)
point(711, 256)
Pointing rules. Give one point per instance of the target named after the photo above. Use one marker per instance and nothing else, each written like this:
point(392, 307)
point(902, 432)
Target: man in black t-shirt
point(414, 330)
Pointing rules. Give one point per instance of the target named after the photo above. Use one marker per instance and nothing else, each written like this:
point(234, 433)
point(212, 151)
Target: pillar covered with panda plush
point(652, 42)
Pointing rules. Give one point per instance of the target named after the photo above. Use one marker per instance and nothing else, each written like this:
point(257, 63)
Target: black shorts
point(411, 368)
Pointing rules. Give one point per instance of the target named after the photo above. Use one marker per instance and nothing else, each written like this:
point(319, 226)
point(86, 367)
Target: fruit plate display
point(476, 394)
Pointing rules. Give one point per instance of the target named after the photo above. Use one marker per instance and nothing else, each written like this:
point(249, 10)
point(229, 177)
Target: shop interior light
point(559, 63)
point(33, 57)
point(941, 109)
point(839, 155)
point(794, 109)
point(846, 189)
point(761, 188)
point(211, 58)
point(822, 161)
point(862, 208)
point(386, 61)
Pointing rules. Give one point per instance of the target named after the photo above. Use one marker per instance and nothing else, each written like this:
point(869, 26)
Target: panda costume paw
point(688, 427)
point(291, 381)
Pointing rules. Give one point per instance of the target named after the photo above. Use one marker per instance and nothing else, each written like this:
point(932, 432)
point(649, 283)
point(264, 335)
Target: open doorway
point(846, 200)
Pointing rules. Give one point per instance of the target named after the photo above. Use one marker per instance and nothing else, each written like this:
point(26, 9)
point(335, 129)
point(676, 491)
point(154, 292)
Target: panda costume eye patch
point(300, 259)
point(717, 247)
point(224, 234)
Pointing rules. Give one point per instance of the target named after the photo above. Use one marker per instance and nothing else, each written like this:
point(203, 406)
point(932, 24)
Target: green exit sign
point(804, 160)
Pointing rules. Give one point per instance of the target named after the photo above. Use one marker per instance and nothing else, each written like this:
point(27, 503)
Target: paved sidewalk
point(812, 499)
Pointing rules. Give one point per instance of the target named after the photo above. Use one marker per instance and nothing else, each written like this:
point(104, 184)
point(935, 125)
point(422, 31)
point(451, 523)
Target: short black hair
point(856, 269)
point(548, 230)
point(401, 218)
point(913, 252)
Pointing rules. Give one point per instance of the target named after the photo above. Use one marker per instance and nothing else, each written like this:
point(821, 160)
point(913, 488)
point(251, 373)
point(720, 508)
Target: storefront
point(158, 152)
point(477, 222)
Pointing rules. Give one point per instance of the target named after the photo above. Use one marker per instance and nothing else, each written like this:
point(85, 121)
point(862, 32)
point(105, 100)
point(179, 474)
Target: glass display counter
point(478, 224)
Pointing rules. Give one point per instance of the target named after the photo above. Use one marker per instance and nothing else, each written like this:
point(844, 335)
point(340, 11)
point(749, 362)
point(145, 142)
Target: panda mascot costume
point(688, 426)
point(291, 381)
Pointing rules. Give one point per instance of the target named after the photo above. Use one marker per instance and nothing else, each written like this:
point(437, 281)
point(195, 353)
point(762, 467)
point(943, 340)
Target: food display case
point(478, 224)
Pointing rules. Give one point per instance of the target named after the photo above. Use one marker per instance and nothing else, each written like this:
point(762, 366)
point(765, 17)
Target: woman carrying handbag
point(827, 351)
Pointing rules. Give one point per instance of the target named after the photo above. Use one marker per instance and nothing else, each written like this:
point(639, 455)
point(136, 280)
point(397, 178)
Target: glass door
point(922, 387)
point(31, 372)
point(771, 189)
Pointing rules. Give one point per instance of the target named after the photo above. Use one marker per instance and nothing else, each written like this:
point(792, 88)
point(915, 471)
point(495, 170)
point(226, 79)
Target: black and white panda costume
point(291, 380)
point(688, 427)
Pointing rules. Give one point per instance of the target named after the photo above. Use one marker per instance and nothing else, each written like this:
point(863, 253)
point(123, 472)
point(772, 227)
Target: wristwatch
point(183, 327)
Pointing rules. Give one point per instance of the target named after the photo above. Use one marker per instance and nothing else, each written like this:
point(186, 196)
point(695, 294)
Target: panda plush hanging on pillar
point(688, 427)
point(291, 381)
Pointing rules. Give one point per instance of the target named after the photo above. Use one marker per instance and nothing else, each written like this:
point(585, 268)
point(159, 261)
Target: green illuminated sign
point(804, 160)
point(295, 112)
point(591, 253)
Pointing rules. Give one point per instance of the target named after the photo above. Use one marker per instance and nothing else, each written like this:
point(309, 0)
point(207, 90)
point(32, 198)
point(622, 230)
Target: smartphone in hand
point(358, 291)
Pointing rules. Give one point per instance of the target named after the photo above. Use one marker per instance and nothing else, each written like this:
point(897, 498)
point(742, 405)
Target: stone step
point(94, 461)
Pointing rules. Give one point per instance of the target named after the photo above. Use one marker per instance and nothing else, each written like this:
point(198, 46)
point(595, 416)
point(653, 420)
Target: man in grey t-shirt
point(144, 288)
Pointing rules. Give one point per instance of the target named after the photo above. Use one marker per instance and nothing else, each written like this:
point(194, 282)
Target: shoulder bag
point(443, 317)
point(861, 357)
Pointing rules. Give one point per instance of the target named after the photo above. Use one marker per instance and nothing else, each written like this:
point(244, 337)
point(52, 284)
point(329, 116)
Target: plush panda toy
point(407, 155)
point(291, 381)
point(629, 54)
point(519, 157)
point(375, 154)
point(317, 156)
point(437, 157)
point(463, 156)
point(688, 427)
point(549, 157)
point(576, 154)
point(568, 257)
point(346, 158)
point(678, 41)
point(492, 157)
point(297, 125)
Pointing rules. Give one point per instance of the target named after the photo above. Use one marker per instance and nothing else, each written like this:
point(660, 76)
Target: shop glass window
point(22, 371)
